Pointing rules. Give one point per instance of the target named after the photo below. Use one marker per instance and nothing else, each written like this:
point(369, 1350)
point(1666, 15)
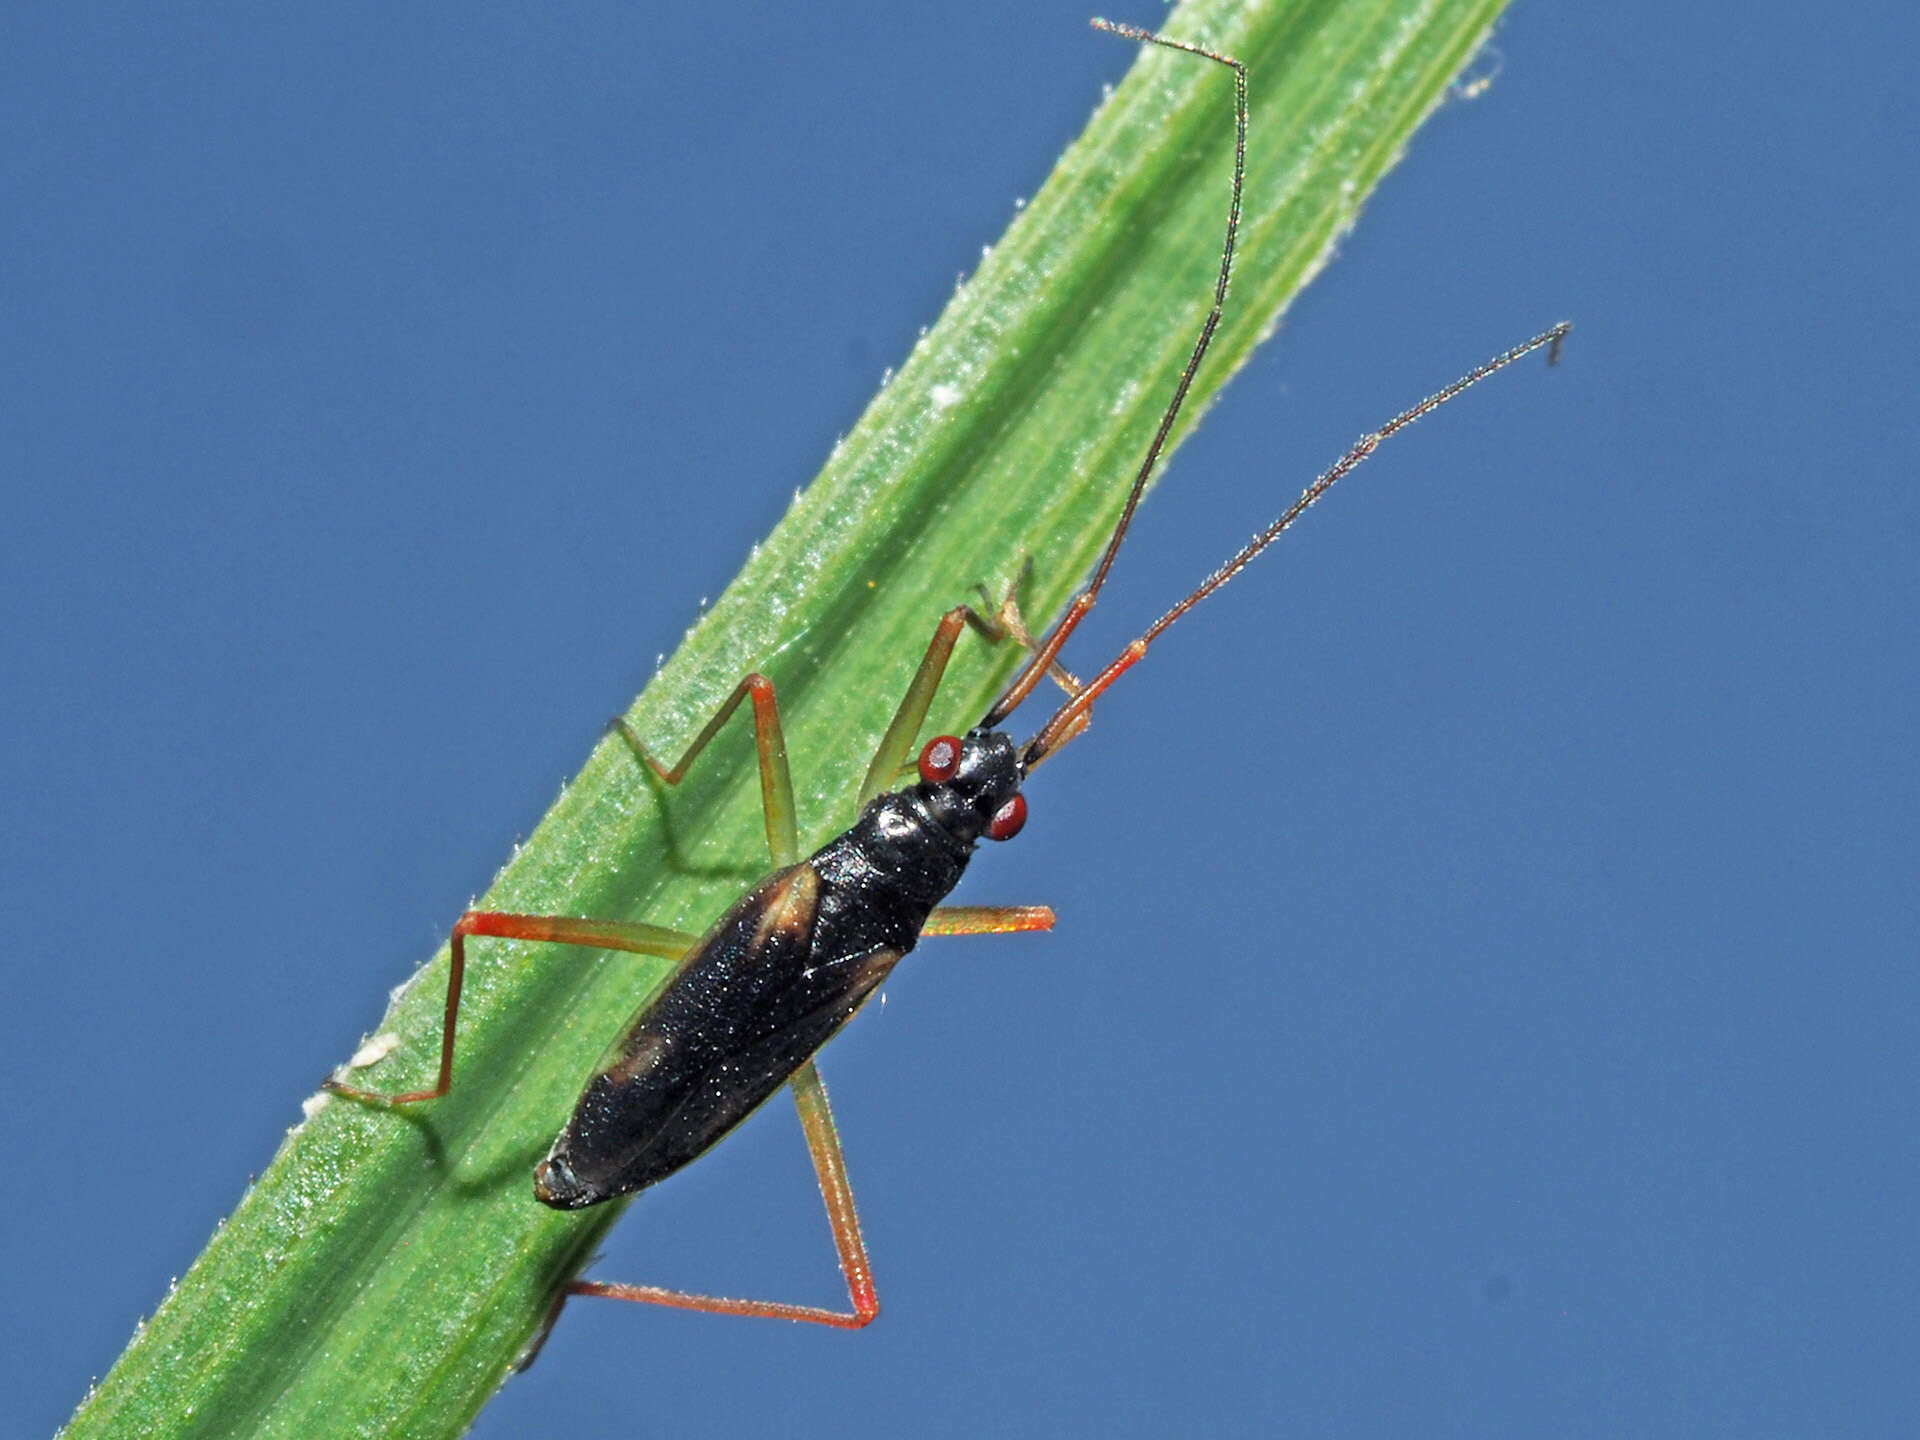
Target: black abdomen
point(783, 970)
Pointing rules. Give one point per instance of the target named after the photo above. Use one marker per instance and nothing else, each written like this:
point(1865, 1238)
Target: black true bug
point(758, 995)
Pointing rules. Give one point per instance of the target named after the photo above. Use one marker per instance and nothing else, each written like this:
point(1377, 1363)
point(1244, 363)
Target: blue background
point(1536, 833)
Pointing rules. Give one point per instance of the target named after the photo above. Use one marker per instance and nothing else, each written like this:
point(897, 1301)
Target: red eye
point(1008, 819)
point(940, 759)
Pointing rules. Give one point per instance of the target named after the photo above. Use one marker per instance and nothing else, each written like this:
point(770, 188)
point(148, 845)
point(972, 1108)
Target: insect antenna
point(1071, 718)
point(1048, 649)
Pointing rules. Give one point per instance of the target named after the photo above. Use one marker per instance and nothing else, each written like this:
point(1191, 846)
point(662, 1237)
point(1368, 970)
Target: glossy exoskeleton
point(754, 999)
point(782, 971)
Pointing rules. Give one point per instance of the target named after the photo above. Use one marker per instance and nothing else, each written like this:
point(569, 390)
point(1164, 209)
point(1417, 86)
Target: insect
point(753, 1000)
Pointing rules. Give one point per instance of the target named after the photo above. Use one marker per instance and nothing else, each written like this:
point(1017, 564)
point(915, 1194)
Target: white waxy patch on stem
point(374, 1051)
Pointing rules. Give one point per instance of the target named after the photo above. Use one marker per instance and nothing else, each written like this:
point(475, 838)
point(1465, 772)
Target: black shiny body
point(772, 982)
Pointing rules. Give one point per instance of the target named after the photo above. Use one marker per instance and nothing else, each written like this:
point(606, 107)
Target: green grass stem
point(385, 1269)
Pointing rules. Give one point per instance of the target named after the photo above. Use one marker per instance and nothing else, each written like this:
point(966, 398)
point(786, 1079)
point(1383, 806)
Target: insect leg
point(823, 1141)
point(986, 919)
point(632, 935)
point(891, 757)
point(776, 782)
point(1005, 620)
point(999, 623)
